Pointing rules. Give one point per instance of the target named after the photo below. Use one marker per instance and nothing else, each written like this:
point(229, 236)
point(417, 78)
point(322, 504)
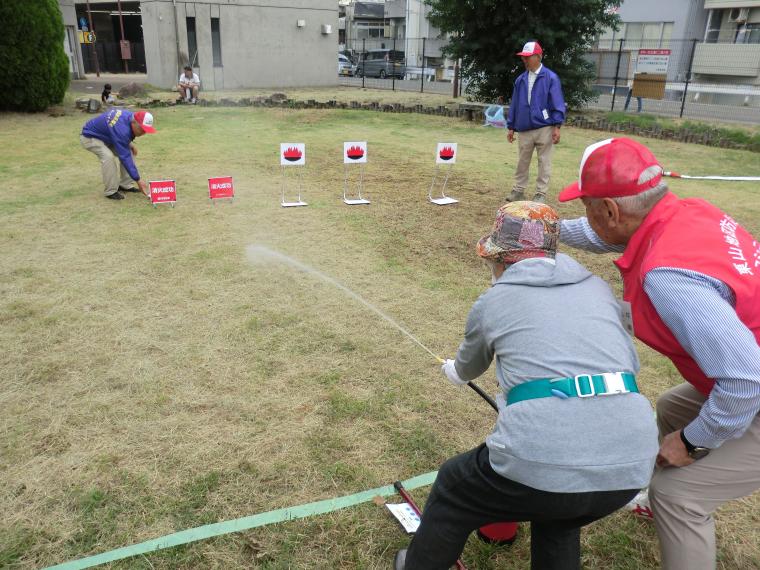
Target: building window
point(609, 38)
point(192, 42)
point(748, 34)
point(216, 42)
point(713, 26)
point(369, 30)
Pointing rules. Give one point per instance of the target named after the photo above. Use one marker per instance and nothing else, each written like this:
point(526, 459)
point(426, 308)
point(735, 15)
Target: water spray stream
point(256, 253)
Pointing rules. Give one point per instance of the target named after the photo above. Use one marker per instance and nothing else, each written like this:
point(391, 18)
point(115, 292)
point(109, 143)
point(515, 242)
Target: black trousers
point(468, 494)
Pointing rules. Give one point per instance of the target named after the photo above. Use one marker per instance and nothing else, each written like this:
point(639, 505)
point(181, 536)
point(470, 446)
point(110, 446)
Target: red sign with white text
point(220, 187)
point(163, 192)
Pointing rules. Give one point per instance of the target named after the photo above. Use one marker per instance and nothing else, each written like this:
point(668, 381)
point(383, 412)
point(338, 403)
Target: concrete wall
point(688, 16)
point(260, 43)
point(732, 3)
point(739, 63)
point(71, 44)
point(689, 19)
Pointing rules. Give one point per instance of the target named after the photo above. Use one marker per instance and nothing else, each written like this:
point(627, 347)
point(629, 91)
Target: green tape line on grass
point(245, 523)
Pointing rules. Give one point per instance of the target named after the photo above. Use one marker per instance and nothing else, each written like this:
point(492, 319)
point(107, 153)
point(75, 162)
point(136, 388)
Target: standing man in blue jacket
point(537, 112)
point(109, 136)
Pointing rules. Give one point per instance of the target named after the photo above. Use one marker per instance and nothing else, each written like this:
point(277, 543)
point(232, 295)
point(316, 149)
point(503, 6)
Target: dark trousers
point(468, 494)
point(628, 101)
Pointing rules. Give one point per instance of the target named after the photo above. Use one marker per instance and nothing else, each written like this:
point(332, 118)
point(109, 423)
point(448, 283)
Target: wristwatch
point(694, 451)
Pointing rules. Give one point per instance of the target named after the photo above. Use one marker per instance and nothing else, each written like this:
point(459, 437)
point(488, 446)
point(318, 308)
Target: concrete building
point(408, 20)
point(365, 22)
point(280, 43)
point(71, 43)
point(240, 44)
point(652, 24)
point(731, 49)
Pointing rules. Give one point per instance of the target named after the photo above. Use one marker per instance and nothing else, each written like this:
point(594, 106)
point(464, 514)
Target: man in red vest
point(691, 277)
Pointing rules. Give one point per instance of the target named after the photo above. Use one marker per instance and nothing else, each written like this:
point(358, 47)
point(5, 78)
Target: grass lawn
point(153, 379)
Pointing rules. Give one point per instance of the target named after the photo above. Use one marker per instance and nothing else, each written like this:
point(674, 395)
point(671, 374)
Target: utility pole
point(121, 25)
point(94, 50)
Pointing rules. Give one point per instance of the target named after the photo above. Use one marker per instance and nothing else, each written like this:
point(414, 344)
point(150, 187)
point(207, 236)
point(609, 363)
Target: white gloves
point(451, 373)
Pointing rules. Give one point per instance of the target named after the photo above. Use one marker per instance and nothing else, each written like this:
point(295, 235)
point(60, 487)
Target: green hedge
point(34, 72)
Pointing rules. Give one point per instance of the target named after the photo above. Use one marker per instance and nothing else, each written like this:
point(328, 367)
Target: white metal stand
point(360, 186)
point(443, 200)
point(298, 202)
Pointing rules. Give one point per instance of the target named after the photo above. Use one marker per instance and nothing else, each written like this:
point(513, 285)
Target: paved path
point(93, 85)
point(729, 113)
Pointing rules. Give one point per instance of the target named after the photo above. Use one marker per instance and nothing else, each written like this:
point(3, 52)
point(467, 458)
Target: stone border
point(712, 137)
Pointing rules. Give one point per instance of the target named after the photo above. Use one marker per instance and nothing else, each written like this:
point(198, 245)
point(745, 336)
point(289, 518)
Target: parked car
point(345, 66)
point(382, 63)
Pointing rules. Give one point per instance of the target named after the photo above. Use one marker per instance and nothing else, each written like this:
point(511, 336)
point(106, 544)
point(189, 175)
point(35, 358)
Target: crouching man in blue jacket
point(537, 112)
point(109, 136)
point(574, 440)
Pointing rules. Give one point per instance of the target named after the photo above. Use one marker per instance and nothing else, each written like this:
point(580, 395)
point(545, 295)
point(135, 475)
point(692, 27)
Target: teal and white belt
point(580, 386)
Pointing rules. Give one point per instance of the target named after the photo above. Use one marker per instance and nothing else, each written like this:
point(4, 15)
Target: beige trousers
point(683, 499)
point(113, 175)
point(527, 141)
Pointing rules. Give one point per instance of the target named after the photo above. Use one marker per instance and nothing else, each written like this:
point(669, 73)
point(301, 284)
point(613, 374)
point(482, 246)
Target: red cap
point(531, 48)
point(614, 168)
point(145, 120)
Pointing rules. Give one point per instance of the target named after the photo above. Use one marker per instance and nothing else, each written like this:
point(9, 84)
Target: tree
point(486, 35)
point(35, 68)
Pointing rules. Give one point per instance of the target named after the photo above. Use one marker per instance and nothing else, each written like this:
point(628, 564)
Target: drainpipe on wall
point(176, 35)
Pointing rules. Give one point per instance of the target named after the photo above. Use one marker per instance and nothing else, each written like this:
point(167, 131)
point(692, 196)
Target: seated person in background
point(189, 84)
point(574, 440)
point(106, 98)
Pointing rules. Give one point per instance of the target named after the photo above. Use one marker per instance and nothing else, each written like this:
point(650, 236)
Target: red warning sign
point(163, 192)
point(220, 187)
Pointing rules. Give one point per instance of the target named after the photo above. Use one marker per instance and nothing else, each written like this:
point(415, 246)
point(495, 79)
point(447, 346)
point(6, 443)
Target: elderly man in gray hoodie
point(574, 440)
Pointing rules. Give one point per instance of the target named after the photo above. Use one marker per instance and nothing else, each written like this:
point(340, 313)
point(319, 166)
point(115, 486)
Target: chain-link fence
point(407, 64)
point(679, 78)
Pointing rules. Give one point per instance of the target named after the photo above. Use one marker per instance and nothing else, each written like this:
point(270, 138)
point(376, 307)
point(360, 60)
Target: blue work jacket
point(547, 104)
point(113, 128)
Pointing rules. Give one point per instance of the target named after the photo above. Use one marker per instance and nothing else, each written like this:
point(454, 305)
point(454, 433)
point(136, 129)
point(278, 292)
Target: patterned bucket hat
point(522, 230)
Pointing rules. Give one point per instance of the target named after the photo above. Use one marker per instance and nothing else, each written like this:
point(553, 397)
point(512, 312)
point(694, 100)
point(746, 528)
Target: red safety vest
point(690, 234)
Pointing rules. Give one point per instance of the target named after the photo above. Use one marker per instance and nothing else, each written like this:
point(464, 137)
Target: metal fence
point(685, 78)
point(679, 78)
point(404, 64)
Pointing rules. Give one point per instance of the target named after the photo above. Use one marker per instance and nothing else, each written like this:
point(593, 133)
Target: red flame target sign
point(447, 153)
point(354, 152)
point(292, 154)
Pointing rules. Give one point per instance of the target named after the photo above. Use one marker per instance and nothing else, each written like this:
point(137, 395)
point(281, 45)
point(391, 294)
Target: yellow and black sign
point(86, 37)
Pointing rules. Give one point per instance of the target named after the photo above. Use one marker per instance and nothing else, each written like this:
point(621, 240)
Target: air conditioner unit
point(738, 15)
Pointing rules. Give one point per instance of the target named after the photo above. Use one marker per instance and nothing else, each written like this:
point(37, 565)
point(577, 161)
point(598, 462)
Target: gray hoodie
point(553, 320)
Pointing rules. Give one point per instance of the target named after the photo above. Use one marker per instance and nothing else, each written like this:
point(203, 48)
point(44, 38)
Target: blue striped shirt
point(699, 311)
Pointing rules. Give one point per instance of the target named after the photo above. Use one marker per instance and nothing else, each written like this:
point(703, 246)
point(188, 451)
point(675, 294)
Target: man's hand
point(673, 452)
point(555, 135)
point(451, 373)
point(143, 187)
point(511, 135)
point(133, 148)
